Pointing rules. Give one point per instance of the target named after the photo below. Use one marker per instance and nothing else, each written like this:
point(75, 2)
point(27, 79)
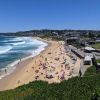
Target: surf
point(5, 49)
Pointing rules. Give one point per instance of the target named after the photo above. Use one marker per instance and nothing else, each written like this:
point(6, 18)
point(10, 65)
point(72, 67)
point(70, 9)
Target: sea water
point(12, 49)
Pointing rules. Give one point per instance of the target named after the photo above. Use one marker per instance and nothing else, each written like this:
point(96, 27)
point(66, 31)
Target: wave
point(15, 46)
point(32, 41)
point(5, 49)
point(11, 67)
point(18, 43)
point(16, 39)
point(23, 40)
point(40, 49)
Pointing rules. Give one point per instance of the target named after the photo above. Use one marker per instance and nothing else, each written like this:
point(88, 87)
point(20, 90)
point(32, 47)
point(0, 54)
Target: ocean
point(12, 49)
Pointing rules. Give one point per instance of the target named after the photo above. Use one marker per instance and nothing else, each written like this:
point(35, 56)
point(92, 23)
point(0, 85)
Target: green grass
point(98, 61)
point(90, 71)
point(96, 45)
point(77, 88)
point(76, 45)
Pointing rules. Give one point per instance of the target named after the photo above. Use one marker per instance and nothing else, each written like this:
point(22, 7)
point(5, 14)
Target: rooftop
point(89, 48)
point(87, 58)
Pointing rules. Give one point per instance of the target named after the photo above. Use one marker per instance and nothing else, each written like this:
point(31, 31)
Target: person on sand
point(5, 70)
point(27, 71)
point(45, 59)
point(18, 81)
point(65, 66)
point(58, 76)
point(36, 77)
point(20, 60)
point(61, 66)
point(35, 61)
point(62, 77)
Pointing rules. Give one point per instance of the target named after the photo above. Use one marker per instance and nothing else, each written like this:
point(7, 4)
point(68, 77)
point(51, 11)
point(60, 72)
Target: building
point(76, 51)
point(89, 49)
point(87, 60)
point(72, 39)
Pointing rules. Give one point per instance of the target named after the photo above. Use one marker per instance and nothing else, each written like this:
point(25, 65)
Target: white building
point(89, 49)
point(87, 60)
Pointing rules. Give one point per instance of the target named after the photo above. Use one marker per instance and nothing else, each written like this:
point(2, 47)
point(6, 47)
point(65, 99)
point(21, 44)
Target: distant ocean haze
point(15, 48)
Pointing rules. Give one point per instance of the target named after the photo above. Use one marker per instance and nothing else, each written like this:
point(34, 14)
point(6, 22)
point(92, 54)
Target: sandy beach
point(54, 64)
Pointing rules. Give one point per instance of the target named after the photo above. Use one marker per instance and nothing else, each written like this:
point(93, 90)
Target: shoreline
point(48, 66)
point(7, 70)
point(25, 60)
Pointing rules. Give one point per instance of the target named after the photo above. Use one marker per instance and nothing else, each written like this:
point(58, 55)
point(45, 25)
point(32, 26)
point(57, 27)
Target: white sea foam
point(5, 49)
point(18, 43)
point(25, 40)
point(40, 49)
point(16, 39)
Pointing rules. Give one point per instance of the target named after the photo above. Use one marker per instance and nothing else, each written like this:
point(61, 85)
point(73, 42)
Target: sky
point(22, 15)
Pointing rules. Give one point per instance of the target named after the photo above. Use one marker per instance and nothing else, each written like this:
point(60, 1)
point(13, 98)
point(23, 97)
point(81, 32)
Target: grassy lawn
point(90, 71)
point(77, 45)
point(96, 46)
point(98, 61)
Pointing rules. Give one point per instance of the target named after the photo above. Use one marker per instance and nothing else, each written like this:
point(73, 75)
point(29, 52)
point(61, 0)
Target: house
point(87, 60)
point(72, 39)
point(89, 49)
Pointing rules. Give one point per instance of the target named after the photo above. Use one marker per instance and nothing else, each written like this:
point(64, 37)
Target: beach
point(53, 64)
